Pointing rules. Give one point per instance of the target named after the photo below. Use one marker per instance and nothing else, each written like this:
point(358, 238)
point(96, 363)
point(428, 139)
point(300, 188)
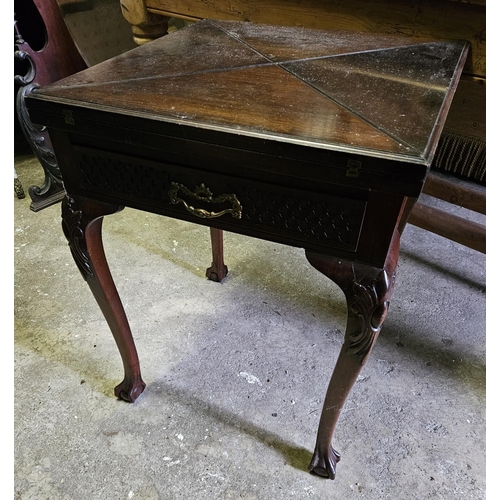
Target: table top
point(375, 95)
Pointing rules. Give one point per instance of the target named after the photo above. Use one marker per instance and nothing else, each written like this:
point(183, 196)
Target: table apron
point(320, 219)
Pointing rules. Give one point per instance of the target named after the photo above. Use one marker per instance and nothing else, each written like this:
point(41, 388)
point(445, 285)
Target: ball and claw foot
point(129, 392)
point(216, 274)
point(324, 466)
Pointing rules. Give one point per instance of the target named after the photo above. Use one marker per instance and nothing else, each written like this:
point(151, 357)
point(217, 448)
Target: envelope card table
point(316, 139)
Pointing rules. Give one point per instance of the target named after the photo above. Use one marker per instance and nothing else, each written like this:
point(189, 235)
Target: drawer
point(278, 210)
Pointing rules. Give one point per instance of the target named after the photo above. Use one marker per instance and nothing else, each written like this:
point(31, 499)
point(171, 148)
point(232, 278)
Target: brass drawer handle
point(202, 193)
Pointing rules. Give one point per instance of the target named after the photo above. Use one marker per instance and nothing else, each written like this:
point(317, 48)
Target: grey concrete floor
point(236, 372)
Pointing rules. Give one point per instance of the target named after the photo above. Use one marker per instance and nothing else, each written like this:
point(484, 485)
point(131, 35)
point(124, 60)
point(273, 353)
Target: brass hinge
point(353, 168)
point(68, 117)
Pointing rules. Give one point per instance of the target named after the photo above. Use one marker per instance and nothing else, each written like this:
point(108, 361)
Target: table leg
point(368, 291)
point(218, 270)
point(82, 224)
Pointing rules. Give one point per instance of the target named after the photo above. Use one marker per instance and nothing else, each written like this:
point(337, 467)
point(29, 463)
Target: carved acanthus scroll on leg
point(368, 291)
point(82, 224)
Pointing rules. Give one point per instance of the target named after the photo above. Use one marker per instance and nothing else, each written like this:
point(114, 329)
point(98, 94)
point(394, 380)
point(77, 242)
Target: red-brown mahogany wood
point(368, 291)
point(82, 226)
point(218, 270)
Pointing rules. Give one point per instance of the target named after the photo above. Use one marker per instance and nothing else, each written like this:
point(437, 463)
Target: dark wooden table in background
point(308, 138)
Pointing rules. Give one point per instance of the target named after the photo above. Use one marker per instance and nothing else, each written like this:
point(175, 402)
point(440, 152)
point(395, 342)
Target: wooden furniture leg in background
point(58, 59)
point(82, 224)
point(368, 291)
point(145, 26)
point(218, 270)
point(447, 225)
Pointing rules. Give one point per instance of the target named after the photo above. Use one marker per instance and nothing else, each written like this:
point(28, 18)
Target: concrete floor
point(236, 372)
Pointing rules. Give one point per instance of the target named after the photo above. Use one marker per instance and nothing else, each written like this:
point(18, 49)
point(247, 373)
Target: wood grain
point(439, 19)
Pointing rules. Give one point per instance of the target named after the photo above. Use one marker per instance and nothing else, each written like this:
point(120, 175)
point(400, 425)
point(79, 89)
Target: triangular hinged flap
point(241, 99)
point(399, 90)
point(217, 75)
point(198, 48)
point(287, 43)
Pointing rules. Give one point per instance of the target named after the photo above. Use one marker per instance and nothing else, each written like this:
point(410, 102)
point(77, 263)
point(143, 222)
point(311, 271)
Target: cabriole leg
point(368, 291)
point(82, 224)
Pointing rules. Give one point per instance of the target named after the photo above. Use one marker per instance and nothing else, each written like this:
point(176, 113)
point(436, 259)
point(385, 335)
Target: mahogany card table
point(316, 139)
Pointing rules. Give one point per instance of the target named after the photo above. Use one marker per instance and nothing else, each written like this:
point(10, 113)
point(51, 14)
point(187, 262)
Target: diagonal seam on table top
point(389, 78)
point(300, 81)
point(287, 66)
point(270, 62)
point(246, 67)
point(283, 65)
point(61, 83)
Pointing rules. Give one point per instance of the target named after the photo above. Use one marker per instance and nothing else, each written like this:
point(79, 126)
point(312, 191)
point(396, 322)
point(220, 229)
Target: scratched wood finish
point(442, 19)
point(205, 139)
point(222, 75)
point(248, 102)
point(437, 19)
